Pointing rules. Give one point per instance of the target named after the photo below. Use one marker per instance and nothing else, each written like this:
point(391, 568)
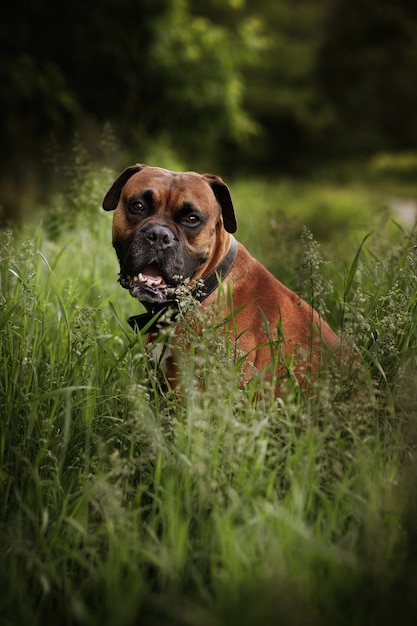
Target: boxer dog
point(173, 231)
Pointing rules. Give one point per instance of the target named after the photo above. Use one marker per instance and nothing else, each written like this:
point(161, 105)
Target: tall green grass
point(122, 505)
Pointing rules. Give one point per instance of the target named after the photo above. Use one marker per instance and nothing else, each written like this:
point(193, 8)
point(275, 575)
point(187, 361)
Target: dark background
point(232, 86)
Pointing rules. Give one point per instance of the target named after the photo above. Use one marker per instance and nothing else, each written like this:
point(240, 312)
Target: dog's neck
point(150, 321)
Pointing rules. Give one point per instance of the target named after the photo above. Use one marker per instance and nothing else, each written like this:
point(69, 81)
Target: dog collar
point(211, 282)
point(149, 321)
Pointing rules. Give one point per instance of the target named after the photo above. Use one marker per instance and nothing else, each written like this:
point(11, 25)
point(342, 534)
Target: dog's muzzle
point(151, 267)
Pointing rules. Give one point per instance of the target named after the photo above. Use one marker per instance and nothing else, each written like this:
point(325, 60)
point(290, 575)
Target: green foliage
point(158, 71)
point(282, 92)
point(196, 62)
point(236, 86)
point(122, 504)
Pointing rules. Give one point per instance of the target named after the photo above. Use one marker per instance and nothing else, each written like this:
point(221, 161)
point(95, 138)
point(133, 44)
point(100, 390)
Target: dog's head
point(168, 227)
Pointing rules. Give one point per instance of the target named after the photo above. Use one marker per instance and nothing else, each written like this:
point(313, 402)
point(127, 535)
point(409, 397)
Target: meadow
point(122, 505)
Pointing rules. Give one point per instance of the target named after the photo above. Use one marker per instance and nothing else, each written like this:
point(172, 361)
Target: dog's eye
point(137, 207)
point(191, 220)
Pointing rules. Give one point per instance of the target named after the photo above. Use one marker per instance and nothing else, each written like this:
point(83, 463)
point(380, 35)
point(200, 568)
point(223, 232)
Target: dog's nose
point(160, 236)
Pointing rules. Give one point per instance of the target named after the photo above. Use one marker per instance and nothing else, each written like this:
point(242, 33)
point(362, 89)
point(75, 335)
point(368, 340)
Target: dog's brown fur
point(198, 249)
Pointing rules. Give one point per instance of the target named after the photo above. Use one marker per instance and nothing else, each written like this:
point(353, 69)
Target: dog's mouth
point(149, 284)
point(150, 277)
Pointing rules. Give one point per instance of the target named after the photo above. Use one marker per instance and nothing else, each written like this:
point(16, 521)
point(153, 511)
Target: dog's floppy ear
point(111, 199)
point(222, 193)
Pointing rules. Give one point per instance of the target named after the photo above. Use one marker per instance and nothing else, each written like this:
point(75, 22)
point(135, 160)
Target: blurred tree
point(335, 80)
point(368, 75)
point(150, 67)
point(198, 89)
point(282, 95)
point(66, 67)
point(227, 84)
